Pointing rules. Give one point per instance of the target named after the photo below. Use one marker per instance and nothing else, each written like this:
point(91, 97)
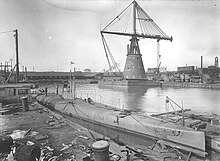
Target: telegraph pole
point(17, 61)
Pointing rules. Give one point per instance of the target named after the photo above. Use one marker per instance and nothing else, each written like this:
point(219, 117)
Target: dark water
point(152, 99)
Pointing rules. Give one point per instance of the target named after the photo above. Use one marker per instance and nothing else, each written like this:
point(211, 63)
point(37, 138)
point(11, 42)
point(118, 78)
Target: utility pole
point(17, 61)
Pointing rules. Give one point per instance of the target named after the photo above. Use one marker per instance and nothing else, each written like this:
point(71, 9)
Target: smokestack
point(26, 73)
point(216, 62)
point(201, 61)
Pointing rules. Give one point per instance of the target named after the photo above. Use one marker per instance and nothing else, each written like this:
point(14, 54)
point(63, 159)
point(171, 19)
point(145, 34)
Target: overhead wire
point(74, 106)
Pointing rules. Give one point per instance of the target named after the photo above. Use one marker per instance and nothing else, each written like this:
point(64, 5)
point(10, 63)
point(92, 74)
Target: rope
point(82, 120)
point(146, 127)
point(140, 22)
point(6, 32)
point(117, 17)
point(127, 22)
point(100, 123)
point(152, 25)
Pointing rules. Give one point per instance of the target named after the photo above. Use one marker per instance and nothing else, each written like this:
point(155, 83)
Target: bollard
point(24, 101)
point(27, 153)
point(101, 150)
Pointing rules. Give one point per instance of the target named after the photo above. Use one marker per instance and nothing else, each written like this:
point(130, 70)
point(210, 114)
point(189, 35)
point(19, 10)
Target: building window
point(12, 92)
point(22, 91)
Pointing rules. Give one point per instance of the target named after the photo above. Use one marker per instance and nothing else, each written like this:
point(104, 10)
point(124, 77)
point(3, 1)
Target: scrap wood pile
point(31, 145)
point(10, 108)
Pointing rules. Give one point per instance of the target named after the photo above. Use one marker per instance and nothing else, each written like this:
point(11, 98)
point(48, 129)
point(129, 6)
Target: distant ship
point(141, 26)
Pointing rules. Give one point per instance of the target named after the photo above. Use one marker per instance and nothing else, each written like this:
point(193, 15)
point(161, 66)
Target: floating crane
point(141, 26)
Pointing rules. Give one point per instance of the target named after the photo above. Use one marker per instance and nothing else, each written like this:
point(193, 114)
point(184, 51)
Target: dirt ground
point(57, 138)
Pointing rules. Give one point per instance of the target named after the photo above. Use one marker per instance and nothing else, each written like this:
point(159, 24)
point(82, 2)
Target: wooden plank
point(5, 112)
point(171, 112)
point(188, 158)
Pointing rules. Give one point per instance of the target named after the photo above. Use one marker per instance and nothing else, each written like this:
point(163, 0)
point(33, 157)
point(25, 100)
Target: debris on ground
point(52, 137)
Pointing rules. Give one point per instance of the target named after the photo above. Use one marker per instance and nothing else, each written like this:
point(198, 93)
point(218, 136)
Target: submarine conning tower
point(134, 67)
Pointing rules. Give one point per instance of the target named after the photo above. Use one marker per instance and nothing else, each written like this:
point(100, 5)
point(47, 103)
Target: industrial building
point(186, 69)
point(211, 74)
point(50, 76)
point(59, 76)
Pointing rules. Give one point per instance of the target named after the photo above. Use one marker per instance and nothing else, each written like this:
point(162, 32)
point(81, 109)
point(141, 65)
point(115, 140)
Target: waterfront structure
point(10, 93)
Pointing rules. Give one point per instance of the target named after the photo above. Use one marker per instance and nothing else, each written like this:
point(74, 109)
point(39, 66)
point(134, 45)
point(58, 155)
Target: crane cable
point(4, 32)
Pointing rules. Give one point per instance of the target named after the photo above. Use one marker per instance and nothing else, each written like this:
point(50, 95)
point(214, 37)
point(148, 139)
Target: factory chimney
point(216, 62)
point(25, 74)
point(201, 61)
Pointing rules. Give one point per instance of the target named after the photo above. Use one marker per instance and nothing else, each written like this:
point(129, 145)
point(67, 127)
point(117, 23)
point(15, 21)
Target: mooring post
point(101, 150)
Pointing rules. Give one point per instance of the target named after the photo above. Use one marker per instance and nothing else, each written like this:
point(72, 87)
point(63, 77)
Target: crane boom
point(106, 53)
point(114, 66)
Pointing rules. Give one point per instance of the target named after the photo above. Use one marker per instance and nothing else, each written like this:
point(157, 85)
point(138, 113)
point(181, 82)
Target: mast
point(134, 17)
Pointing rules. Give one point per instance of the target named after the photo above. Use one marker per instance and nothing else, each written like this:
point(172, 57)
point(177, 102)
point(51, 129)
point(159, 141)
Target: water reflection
point(152, 99)
point(131, 96)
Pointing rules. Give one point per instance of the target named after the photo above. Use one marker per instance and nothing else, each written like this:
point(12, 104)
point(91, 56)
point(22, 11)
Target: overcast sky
point(54, 32)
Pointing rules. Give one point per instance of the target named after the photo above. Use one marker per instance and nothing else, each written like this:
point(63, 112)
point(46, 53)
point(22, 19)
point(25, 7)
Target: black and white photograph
point(109, 80)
